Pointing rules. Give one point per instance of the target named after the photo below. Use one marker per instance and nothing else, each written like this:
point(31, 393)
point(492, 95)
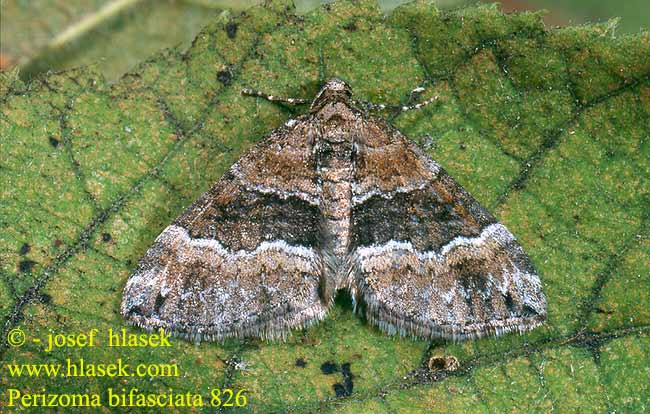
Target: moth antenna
point(416, 91)
point(371, 106)
point(418, 105)
point(273, 98)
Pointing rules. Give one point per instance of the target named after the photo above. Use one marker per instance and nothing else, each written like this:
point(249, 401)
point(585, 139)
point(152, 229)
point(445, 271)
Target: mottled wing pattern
point(427, 259)
point(244, 259)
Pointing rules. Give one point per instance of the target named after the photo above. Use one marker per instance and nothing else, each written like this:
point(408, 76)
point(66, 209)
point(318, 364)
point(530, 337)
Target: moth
point(334, 199)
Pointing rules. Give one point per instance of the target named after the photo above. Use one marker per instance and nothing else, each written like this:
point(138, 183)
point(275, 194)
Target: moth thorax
point(337, 112)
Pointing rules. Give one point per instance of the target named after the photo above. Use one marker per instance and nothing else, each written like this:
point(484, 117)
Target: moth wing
point(427, 259)
point(243, 259)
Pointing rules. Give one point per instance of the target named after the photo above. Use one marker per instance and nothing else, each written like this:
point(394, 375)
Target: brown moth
point(334, 199)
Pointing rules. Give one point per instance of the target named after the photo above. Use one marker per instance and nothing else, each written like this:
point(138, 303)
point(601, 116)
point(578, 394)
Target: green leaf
point(548, 129)
point(55, 35)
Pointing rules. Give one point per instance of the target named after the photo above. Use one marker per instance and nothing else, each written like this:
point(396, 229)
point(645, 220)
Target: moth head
point(334, 90)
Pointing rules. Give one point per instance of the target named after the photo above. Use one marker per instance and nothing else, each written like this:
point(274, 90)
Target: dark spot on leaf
point(351, 27)
point(106, 237)
point(58, 243)
point(339, 389)
point(300, 362)
point(224, 77)
point(347, 378)
point(329, 368)
point(24, 249)
point(462, 146)
point(54, 142)
point(26, 266)
point(231, 29)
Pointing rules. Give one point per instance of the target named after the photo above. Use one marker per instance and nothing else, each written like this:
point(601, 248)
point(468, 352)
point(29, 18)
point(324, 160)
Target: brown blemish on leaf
point(445, 362)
